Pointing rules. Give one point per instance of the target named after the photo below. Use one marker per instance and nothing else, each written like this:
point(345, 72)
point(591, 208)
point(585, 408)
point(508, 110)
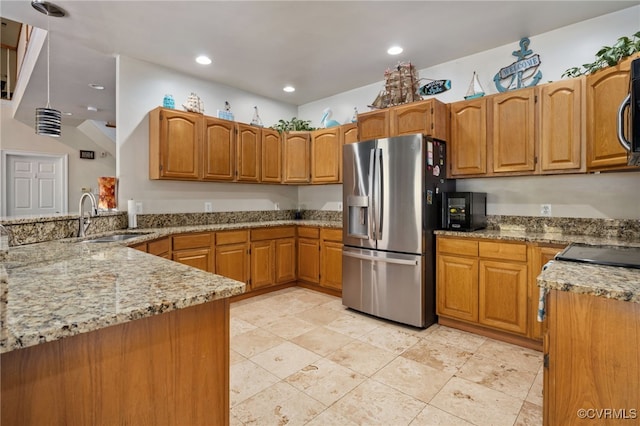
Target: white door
point(35, 184)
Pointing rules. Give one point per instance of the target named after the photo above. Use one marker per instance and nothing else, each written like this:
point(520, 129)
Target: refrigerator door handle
point(380, 259)
point(377, 194)
point(372, 195)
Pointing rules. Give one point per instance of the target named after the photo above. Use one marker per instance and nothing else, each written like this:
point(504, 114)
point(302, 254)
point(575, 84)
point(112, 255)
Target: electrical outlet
point(208, 207)
point(138, 208)
point(545, 209)
point(339, 206)
point(276, 206)
point(86, 189)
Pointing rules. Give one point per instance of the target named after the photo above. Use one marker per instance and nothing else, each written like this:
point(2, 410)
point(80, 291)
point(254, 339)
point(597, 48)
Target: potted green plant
point(295, 124)
point(608, 56)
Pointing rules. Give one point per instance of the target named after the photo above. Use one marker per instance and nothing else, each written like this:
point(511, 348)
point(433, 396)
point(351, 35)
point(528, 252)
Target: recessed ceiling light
point(92, 108)
point(289, 89)
point(96, 86)
point(394, 50)
point(203, 60)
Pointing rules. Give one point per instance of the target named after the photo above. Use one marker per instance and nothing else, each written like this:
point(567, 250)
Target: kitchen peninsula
point(592, 344)
point(105, 334)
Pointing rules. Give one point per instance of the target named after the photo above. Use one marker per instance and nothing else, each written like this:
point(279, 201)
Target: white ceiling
point(320, 47)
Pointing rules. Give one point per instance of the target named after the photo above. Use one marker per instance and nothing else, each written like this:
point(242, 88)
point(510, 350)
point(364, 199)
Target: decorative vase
point(168, 102)
point(107, 195)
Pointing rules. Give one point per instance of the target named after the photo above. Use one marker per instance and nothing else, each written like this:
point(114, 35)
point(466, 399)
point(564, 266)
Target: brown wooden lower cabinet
point(273, 252)
point(232, 255)
point(169, 369)
point(160, 247)
point(320, 258)
point(309, 254)
point(502, 295)
point(260, 257)
point(487, 286)
point(262, 264)
point(194, 249)
point(331, 258)
point(285, 260)
point(592, 368)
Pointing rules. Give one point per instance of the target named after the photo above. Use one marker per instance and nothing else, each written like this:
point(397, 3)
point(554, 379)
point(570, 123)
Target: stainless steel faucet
point(86, 221)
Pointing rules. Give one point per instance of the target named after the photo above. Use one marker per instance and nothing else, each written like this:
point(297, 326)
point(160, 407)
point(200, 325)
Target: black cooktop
point(628, 257)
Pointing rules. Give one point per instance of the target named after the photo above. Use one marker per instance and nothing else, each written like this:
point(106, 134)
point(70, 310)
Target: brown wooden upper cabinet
point(271, 159)
point(190, 146)
point(373, 125)
point(175, 144)
point(349, 133)
point(428, 117)
point(219, 149)
point(523, 132)
point(562, 126)
point(606, 89)
point(513, 132)
point(248, 153)
point(326, 155)
point(295, 151)
point(467, 149)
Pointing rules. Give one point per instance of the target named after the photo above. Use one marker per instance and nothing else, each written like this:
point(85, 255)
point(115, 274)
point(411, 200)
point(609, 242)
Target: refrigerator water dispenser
point(358, 206)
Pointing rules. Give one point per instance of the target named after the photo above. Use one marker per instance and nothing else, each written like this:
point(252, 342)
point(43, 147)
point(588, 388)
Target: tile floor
point(300, 357)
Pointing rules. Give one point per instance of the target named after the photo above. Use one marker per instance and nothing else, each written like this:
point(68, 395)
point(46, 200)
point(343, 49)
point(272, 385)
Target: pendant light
point(48, 120)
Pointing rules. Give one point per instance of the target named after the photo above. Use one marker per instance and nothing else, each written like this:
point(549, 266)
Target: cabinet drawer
point(231, 237)
point(307, 232)
point(272, 233)
point(189, 241)
point(158, 247)
point(331, 234)
point(457, 246)
point(505, 251)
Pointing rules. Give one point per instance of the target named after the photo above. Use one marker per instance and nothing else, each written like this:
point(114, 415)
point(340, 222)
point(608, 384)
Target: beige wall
point(606, 195)
point(17, 136)
point(140, 88)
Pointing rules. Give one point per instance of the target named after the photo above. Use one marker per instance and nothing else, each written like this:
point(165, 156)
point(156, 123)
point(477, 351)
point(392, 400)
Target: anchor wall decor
point(514, 73)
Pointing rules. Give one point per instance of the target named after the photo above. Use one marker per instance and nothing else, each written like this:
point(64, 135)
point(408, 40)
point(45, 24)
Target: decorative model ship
point(194, 104)
point(475, 89)
point(401, 86)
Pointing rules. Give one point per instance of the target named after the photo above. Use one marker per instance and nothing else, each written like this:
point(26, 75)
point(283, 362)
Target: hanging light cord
point(48, 53)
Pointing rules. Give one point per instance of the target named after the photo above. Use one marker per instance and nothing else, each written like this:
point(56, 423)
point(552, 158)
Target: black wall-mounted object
point(88, 155)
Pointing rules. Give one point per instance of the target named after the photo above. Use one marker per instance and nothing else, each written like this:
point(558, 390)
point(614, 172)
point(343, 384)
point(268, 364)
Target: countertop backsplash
point(623, 229)
point(31, 230)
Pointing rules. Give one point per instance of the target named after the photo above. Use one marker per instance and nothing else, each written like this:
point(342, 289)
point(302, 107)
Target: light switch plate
point(208, 207)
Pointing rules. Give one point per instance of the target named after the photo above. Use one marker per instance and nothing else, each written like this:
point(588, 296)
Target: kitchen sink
point(113, 238)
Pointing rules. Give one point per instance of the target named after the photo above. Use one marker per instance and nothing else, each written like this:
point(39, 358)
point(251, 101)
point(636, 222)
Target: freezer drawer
point(387, 285)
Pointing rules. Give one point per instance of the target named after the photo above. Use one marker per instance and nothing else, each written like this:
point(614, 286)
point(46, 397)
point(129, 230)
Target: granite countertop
point(61, 288)
point(598, 280)
point(612, 282)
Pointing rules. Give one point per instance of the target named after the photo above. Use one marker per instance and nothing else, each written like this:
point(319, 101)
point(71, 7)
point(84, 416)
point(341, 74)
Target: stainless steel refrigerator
point(391, 205)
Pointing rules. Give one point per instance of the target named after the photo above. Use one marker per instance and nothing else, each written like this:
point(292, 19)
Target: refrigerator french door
point(391, 193)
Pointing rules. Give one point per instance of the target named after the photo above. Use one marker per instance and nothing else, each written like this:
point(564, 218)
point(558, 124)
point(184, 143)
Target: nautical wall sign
point(514, 74)
point(434, 87)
